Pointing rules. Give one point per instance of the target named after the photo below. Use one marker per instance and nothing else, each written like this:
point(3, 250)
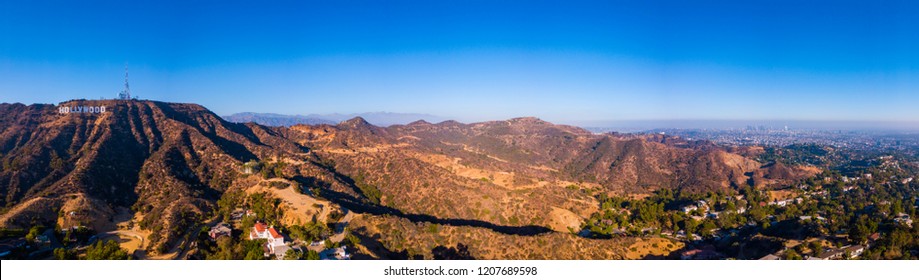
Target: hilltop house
point(219, 230)
point(275, 239)
point(904, 218)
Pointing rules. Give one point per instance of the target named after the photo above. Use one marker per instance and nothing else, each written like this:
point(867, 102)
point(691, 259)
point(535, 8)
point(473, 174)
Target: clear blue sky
point(563, 61)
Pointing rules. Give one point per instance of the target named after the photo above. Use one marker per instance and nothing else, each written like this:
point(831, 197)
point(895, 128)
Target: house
point(874, 237)
point(342, 254)
point(904, 218)
point(237, 214)
point(220, 230)
point(339, 253)
point(689, 208)
point(43, 239)
point(770, 257)
point(855, 251)
point(782, 203)
point(702, 204)
point(831, 254)
point(262, 231)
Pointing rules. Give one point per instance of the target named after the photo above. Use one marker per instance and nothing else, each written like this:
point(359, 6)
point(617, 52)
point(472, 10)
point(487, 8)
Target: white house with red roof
point(275, 239)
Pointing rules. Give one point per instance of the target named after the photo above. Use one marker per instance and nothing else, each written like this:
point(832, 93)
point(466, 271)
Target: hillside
point(165, 167)
point(169, 162)
point(522, 171)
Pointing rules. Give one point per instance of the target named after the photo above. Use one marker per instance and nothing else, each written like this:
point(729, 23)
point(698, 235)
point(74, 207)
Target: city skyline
point(472, 61)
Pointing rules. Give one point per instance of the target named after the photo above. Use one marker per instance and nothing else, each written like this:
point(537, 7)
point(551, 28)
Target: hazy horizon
point(648, 124)
point(572, 62)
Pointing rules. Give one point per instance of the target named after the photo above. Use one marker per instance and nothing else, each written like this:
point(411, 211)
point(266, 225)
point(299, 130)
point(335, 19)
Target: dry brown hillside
point(418, 190)
point(523, 171)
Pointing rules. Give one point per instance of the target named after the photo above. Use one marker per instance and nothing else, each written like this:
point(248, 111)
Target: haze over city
point(583, 62)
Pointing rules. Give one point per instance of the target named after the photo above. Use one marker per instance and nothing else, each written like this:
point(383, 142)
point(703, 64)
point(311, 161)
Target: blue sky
point(563, 61)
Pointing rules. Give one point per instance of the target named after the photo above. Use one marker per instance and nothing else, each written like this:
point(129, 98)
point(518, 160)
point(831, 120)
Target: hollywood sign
point(80, 109)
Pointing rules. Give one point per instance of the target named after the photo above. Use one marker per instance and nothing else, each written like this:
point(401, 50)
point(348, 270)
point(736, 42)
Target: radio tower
point(125, 94)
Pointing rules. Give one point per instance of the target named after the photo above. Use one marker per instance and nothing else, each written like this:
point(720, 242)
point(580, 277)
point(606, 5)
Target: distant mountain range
point(375, 118)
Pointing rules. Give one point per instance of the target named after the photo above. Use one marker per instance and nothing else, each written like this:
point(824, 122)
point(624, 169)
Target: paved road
point(339, 233)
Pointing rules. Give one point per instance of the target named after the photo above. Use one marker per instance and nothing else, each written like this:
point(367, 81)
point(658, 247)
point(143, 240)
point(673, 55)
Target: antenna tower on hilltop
point(125, 94)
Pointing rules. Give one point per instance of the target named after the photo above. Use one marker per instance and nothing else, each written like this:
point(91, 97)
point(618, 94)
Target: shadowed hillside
point(166, 166)
point(522, 171)
point(167, 161)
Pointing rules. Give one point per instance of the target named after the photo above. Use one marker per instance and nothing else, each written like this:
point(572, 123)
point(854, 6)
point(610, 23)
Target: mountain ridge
point(382, 119)
point(168, 164)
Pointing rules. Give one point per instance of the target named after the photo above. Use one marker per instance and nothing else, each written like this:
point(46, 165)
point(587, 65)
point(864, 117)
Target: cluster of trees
point(34, 232)
point(300, 255)
point(658, 212)
point(100, 250)
point(369, 191)
point(900, 243)
point(309, 232)
point(265, 206)
point(229, 248)
point(268, 169)
point(228, 202)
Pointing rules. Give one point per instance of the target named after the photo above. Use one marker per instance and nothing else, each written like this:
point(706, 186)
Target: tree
point(252, 249)
point(862, 228)
point(707, 227)
point(64, 254)
point(254, 255)
point(34, 232)
point(293, 255)
point(352, 239)
point(817, 247)
point(107, 250)
point(311, 255)
point(792, 255)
